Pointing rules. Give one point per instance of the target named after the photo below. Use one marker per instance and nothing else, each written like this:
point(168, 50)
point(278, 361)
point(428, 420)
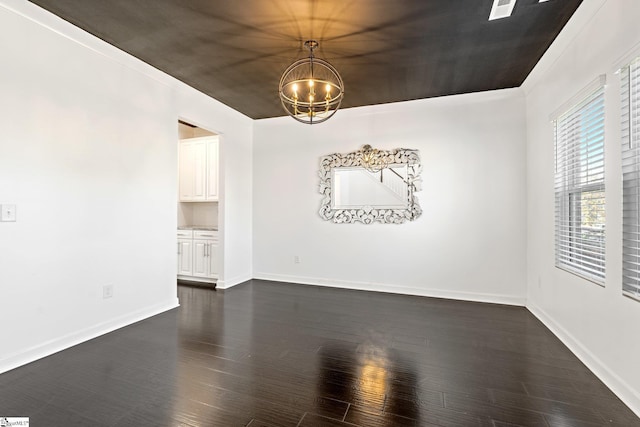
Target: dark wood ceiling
point(385, 50)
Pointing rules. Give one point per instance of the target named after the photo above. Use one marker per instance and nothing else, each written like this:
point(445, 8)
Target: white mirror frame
point(371, 214)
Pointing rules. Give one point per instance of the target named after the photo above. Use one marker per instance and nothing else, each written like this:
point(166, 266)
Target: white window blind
point(579, 187)
point(630, 79)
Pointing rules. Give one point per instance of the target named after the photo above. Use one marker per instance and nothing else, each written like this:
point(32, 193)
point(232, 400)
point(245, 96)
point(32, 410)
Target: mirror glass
point(354, 187)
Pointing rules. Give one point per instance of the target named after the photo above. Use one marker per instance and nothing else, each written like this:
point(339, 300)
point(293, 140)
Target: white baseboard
point(619, 387)
point(229, 283)
point(395, 289)
point(48, 348)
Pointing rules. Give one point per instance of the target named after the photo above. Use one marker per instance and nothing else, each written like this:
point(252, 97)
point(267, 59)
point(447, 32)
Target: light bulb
point(328, 88)
point(310, 83)
point(295, 87)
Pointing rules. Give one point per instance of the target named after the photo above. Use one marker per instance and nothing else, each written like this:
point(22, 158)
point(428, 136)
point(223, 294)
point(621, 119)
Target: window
point(630, 79)
point(579, 185)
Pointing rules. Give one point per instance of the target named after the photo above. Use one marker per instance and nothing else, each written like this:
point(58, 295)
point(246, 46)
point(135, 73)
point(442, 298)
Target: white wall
point(88, 153)
point(598, 324)
point(469, 242)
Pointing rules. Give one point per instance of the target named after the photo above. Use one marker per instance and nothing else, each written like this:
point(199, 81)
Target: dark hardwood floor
point(272, 354)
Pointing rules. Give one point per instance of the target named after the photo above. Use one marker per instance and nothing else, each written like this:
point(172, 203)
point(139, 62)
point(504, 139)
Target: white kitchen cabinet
point(198, 169)
point(199, 150)
point(203, 256)
point(214, 259)
point(200, 248)
point(211, 251)
point(205, 250)
point(212, 170)
point(185, 257)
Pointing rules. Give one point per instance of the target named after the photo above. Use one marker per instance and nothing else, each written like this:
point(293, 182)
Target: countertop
point(198, 227)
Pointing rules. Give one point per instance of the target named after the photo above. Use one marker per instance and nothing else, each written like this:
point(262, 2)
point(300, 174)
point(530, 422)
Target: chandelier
point(373, 159)
point(311, 89)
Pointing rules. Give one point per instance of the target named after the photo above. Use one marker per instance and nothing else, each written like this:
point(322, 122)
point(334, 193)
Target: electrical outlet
point(107, 291)
point(8, 213)
point(296, 259)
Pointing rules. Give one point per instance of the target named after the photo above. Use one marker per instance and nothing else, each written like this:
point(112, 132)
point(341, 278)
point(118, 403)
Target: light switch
point(8, 213)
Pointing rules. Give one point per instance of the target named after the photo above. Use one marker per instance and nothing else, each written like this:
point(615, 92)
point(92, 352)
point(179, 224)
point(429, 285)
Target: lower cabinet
point(214, 259)
point(201, 263)
point(185, 257)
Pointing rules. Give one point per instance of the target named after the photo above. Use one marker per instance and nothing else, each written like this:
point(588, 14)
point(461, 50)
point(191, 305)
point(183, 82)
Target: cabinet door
point(212, 169)
point(213, 260)
point(185, 173)
point(200, 258)
point(185, 248)
point(199, 170)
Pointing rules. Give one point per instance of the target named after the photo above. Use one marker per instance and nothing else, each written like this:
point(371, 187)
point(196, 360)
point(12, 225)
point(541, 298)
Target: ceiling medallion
point(311, 90)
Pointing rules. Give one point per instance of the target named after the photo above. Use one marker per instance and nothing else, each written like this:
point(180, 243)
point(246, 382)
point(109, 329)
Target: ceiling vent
point(501, 9)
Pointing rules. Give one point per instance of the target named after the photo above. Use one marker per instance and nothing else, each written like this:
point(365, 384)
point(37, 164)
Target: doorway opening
point(197, 202)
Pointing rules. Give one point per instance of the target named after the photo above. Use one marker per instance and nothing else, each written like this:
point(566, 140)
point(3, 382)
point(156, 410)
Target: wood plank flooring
point(266, 354)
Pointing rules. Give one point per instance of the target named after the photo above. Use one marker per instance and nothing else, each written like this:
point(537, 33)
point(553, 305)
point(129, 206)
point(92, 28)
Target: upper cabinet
point(199, 169)
point(212, 170)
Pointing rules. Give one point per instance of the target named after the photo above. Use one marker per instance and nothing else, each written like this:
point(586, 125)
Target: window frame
point(576, 151)
point(630, 154)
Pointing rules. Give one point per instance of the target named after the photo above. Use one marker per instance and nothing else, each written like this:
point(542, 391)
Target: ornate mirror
point(370, 185)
